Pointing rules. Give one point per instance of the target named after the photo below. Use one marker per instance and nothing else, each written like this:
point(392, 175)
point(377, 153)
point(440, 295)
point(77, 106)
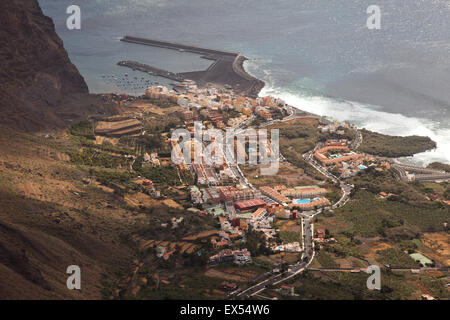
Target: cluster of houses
point(302, 198)
point(161, 93)
point(438, 198)
point(321, 236)
point(351, 169)
point(217, 189)
point(337, 128)
point(222, 194)
point(152, 158)
point(150, 188)
point(288, 247)
point(237, 210)
point(175, 222)
point(332, 154)
point(336, 153)
point(239, 257)
point(207, 103)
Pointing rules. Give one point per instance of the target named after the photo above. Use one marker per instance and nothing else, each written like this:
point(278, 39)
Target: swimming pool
point(302, 201)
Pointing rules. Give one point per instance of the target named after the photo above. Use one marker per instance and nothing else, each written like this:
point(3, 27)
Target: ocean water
point(318, 55)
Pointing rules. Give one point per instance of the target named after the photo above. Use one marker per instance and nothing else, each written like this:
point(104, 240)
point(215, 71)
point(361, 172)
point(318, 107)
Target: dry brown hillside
point(50, 219)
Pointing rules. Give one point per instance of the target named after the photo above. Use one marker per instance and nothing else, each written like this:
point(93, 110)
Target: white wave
point(374, 119)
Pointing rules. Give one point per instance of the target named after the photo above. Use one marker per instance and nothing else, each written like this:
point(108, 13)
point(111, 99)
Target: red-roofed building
point(248, 205)
point(336, 142)
point(321, 233)
point(236, 222)
point(274, 195)
point(386, 165)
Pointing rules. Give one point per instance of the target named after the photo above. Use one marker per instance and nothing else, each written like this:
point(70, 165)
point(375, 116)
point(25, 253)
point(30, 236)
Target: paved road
point(294, 113)
point(272, 278)
point(392, 269)
point(308, 243)
point(420, 173)
point(358, 138)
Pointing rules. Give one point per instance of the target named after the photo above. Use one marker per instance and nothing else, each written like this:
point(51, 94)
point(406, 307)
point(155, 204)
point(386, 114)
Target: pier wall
point(177, 46)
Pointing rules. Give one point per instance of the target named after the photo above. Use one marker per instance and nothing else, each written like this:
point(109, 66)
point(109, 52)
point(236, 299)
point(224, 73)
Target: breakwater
point(226, 71)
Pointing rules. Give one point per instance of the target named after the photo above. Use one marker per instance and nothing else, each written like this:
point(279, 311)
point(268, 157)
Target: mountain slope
point(40, 89)
point(38, 83)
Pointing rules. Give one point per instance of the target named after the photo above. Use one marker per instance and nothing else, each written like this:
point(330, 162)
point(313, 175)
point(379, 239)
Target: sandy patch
point(104, 188)
point(148, 107)
point(115, 125)
point(290, 225)
point(172, 204)
point(231, 274)
point(30, 190)
point(181, 245)
point(380, 246)
point(344, 263)
point(440, 244)
point(372, 254)
point(140, 199)
point(101, 139)
point(202, 234)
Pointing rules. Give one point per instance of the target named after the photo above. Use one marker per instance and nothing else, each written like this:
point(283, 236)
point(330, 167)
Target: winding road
point(274, 278)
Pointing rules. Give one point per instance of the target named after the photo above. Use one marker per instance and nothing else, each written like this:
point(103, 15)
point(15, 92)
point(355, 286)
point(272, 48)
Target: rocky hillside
point(40, 89)
point(38, 81)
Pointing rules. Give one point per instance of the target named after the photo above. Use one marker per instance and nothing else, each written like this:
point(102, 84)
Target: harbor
point(226, 70)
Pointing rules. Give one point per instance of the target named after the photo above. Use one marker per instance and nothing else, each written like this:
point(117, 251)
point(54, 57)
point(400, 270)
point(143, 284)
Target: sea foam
point(372, 118)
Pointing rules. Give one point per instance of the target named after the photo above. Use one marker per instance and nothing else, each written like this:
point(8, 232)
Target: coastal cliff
point(38, 80)
point(41, 89)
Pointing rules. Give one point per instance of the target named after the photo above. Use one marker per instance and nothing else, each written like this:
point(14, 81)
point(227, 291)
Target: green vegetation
point(326, 260)
point(350, 286)
point(105, 176)
point(394, 146)
point(147, 143)
point(436, 286)
point(290, 236)
point(83, 129)
point(119, 181)
point(377, 182)
point(167, 175)
point(256, 122)
point(161, 102)
point(256, 243)
point(409, 208)
point(105, 146)
point(191, 224)
point(296, 138)
point(396, 258)
point(91, 157)
point(347, 246)
point(439, 166)
point(432, 189)
point(167, 292)
point(371, 216)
